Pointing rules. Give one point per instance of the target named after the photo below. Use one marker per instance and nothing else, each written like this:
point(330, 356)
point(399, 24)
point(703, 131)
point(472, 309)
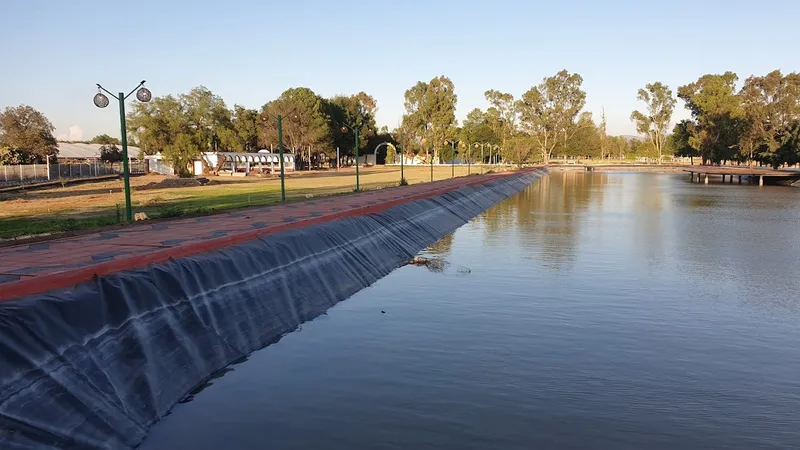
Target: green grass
point(15, 228)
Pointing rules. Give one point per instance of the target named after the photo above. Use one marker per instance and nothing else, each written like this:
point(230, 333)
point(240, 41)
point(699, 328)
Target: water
point(603, 311)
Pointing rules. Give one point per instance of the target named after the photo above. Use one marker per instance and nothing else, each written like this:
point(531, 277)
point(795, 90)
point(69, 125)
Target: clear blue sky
point(248, 52)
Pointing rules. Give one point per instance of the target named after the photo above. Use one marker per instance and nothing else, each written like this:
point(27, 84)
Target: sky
point(249, 51)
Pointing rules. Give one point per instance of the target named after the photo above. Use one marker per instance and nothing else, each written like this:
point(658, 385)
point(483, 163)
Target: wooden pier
point(750, 174)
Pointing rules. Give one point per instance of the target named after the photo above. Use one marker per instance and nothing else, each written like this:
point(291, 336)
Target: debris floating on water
point(436, 265)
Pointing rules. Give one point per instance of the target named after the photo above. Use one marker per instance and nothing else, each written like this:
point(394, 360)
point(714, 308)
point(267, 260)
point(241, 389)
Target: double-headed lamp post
point(101, 101)
point(453, 142)
point(482, 145)
point(345, 129)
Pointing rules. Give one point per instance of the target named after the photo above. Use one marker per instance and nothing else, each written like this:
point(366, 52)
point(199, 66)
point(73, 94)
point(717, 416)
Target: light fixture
point(100, 99)
point(143, 94)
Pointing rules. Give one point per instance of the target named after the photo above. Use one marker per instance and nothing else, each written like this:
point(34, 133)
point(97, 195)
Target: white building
point(227, 163)
point(88, 152)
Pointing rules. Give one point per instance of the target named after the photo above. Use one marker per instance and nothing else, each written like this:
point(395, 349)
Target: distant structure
point(87, 152)
point(227, 163)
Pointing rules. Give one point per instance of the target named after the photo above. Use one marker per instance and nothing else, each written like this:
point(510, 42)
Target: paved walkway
point(39, 267)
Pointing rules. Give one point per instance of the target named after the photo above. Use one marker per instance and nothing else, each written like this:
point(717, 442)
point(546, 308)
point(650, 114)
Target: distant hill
point(630, 137)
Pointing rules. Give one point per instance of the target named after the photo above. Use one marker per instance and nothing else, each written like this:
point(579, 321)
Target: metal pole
point(453, 161)
point(402, 161)
point(280, 152)
point(469, 159)
point(337, 159)
point(481, 159)
point(358, 186)
point(125, 169)
point(432, 151)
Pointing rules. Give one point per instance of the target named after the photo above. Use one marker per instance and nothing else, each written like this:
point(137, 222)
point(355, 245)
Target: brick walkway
point(39, 267)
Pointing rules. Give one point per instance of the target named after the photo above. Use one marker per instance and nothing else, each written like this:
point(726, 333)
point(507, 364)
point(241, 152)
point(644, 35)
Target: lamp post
point(469, 159)
point(355, 133)
point(280, 153)
point(476, 144)
point(101, 101)
point(432, 153)
point(402, 161)
point(453, 158)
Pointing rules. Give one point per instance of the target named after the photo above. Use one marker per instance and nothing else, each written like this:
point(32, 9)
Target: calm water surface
point(603, 311)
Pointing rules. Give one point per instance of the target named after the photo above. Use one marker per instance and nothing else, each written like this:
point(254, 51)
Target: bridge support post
point(706, 178)
point(740, 179)
point(761, 180)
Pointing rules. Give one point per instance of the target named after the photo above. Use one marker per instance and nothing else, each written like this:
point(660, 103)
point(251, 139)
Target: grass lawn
point(90, 205)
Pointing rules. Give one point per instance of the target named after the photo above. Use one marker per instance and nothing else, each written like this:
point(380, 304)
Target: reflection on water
point(609, 311)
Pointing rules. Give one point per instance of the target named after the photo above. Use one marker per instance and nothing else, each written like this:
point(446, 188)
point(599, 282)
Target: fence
point(32, 173)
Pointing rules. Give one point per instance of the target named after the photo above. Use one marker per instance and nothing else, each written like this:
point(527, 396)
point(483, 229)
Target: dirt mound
point(168, 183)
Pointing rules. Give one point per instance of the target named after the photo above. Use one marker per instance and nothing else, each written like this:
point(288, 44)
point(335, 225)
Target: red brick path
point(43, 266)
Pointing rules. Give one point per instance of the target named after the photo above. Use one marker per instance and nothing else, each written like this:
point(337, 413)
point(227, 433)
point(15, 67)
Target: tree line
point(183, 126)
point(758, 123)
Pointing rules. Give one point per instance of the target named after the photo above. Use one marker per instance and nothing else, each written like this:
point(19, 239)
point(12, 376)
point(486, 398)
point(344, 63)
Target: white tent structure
point(67, 150)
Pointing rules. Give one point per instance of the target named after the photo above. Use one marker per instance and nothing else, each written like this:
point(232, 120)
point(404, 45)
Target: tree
point(681, 138)
point(390, 154)
point(585, 142)
point(655, 122)
point(181, 152)
point(430, 118)
point(183, 127)
point(157, 123)
point(245, 129)
point(717, 113)
point(26, 136)
point(618, 146)
point(104, 139)
point(771, 107)
point(475, 128)
point(506, 111)
point(356, 110)
point(110, 153)
point(548, 112)
point(305, 120)
point(519, 148)
point(209, 120)
point(603, 135)
point(789, 151)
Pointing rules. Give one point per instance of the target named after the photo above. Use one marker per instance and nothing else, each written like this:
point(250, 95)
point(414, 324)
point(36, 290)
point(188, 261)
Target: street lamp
point(101, 101)
point(265, 117)
point(453, 158)
point(345, 129)
point(482, 145)
point(280, 153)
point(469, 159)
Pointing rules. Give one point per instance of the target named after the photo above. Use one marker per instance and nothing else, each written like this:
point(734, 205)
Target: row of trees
point(183, 126)
point(758, 123)
point(546, 120)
